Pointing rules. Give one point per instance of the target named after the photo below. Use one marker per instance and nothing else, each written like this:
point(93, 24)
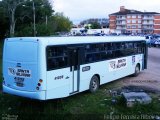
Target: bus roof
point(79, 40)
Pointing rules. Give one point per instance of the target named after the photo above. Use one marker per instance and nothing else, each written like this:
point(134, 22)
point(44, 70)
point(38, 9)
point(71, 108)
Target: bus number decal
point(86, 68)
point(117, 64)
point(58, 77)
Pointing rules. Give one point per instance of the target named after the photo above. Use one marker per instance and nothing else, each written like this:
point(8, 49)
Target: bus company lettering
point(117, 64)
point(19, 72)
point(121, 63)
point(23, 73)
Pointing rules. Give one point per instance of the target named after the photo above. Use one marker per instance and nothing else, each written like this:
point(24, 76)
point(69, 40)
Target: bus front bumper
point(40, 95)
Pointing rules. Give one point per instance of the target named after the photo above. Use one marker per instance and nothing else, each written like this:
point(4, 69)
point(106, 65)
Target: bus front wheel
point(94, 84)
point(137, 70)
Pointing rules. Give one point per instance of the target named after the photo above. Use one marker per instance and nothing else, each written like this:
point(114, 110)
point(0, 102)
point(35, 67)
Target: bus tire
point(137, 70)
point(94, 84)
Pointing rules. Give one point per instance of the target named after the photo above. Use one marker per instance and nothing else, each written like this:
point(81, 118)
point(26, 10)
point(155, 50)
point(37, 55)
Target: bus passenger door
point(74, 63)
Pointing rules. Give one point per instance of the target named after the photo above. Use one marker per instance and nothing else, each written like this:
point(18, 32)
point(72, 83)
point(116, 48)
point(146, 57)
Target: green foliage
point(1, 51)
point(44, 30)
point(95, 25)
point(4, 23)
point(24, 31)
point(25, 25)
point(62, 23)
point(46, 22)
point(86, 27)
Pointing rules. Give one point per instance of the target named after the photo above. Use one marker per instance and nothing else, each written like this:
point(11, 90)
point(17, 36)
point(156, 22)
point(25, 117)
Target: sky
point(79, 10)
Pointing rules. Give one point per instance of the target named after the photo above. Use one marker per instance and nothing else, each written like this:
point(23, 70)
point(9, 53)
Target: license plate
point(19, 84)
point(19, 81)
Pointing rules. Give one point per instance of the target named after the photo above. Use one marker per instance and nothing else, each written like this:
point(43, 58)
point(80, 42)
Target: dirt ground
point(149, 78)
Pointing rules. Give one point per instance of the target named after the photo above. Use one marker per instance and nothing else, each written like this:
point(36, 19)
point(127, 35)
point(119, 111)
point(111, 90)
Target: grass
point(80, 106)
point(1, 47)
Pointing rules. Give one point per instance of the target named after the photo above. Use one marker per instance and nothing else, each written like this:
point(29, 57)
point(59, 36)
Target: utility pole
point(46, 20)
point(34, 20)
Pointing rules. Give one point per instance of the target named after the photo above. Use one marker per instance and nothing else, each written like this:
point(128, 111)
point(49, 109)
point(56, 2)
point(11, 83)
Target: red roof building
point(133, 21)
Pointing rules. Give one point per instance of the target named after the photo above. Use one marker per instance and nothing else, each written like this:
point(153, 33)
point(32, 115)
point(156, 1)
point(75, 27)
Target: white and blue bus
point(54, 67)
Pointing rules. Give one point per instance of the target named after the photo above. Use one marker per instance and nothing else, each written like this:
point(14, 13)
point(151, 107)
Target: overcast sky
point(78, 10)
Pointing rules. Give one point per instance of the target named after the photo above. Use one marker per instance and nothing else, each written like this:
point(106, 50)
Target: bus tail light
point(37, 88)
point(39, 84)
point(40, 80)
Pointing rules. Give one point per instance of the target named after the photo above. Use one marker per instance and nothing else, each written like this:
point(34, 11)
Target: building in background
point(133, 21)
point(104, 22)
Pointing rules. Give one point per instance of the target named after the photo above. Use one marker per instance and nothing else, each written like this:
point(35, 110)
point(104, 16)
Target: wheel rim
point(137, 69)
point(94, 84)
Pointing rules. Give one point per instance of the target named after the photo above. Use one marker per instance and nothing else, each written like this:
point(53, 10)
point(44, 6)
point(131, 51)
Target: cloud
point(83, 9)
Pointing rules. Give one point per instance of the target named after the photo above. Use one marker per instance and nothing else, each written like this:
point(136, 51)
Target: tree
point(62, 23)
point(11, 6)
point(18, 10)
point(95, 25)
point(4, 24)
point(19, 16)
point(34, 16)
point(56, 23)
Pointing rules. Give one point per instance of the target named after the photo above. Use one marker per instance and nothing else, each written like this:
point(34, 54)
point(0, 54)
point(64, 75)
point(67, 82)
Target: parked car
point(152, 42)
point(113, 34)
point(157, 43)
point(97, 34)
point(149, 40)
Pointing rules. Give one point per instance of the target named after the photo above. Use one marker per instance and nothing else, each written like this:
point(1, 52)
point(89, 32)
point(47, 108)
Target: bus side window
point(135, 48)
point(56, 57)
point(89, 58)
point(129, 48)
point(123, 46)
point(118, 45)
point(110, 54)
point(105, 46)
point(140, 46)
point(110, 46)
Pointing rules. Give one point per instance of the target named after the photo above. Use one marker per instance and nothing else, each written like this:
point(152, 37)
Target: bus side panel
point(106, 73)
point(100, 68)
point(140, 60)
point(86, 75)
point(42, 65)
point(129, 69)
point(58, 83)
point(118, 68)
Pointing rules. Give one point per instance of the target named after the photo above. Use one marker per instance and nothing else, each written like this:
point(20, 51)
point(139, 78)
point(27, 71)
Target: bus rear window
point(21, 51)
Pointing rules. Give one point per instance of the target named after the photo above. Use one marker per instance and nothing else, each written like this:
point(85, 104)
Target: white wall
point(74, 31)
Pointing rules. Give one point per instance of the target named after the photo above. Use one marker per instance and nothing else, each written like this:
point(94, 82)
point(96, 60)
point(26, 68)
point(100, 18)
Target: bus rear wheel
point(137, 70)
point(94, 84)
